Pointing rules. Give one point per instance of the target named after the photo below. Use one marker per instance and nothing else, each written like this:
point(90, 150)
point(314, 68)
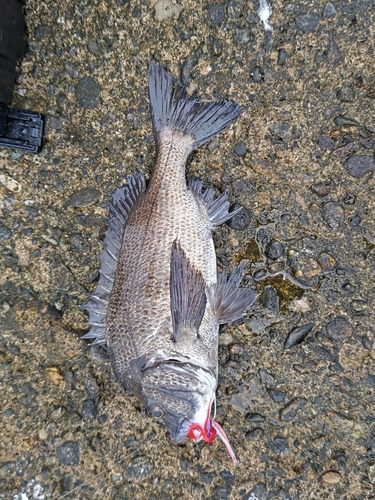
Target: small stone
point(331, 477)
point(255, 434)
point(333, 214)
point(314, 208)
point(281, 57)
point(270, 299)
point(43, 434)
point(358, 305)
point(236, 349)
point(274, 250)
point(359, 166)
point(10, 183)
point(140, 468)
point(366, 343)
point(280, 446)
point(260, 274)
point(5, 232)
point(307, 23)
point(240, 149)
point(217, 14)
point(54, 123)
point(84, 197)
point(290, 410)
point(137, 12)
point(116, 477)
point(166, 9)
point(281, 130)
point(327, 262)
point(346, 93)
point(188, 65)
point(71, 69)
point(88, 92)
point(257, 74)
point(339, 328)
point(90, 410)
point(68, 453)
point(321, 189)
point(241, 36)
point(58, 413)
point(329, 11)
point(297, 335)
point(255, 417)
point(257, 493)
point(345, 151)
point(326, 142)
point(41, 31)
point(54, 375)
point(241, 220)
point(93, 48)
point(343, 121)
point(277, 396)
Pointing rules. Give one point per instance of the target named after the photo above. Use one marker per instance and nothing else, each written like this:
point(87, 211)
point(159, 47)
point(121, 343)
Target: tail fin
point(173, 108)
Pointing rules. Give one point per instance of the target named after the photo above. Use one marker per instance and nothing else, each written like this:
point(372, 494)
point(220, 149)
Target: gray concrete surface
point(298, 405)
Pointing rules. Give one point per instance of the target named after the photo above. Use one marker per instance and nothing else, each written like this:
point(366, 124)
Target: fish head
point(178, 396)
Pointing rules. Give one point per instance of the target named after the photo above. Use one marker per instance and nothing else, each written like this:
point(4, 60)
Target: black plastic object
point(21, 129)
point(13, 45)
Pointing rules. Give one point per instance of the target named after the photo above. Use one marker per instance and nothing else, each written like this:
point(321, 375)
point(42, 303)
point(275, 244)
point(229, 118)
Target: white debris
point(264, 13)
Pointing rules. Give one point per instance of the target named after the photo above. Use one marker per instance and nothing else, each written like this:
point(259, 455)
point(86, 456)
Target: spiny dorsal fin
point(228, 301)
point(123, 202)
point(217, 208)
point(188, 298)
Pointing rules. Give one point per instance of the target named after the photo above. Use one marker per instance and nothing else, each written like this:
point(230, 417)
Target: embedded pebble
point(290, 410)
point(331, 477)
point(326, 142)
point(280, 446)
point(270, 299)
point(277, 396)
point(358, 166)
point(281, 57)
point(140, 468)
point(84, 197)
point(339, 328)
point(307, 23)
point(88, 92)
point(345, 151)
point(240, 221)
point(71, 69)
point(241, 36)
point(10, 183)
point(346, 93)
point(327, 262)
point(89, 410)
point(333, 214)
point(240, 149)
point(68, 453)
point(366, 343)
point(321, 189)
point(93, 48)
point(329, 10)
point(281, 130)
point(255, 417)
point(166, 9)
point(342, 121)
point(297, 335)
point(255, 434)
point(217, 14)
point(5, 232)
point(274, 250)
point(236, 349)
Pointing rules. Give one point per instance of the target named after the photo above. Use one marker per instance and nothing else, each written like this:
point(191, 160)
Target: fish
point(159, 300)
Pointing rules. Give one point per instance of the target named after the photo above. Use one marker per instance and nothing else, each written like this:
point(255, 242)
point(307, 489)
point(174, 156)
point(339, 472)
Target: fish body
point(159, 300)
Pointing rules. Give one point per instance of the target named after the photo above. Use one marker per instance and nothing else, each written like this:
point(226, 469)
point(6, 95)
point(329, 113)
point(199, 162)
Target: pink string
point(220, 432)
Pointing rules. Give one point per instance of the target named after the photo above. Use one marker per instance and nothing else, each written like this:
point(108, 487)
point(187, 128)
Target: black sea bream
point(159, 301)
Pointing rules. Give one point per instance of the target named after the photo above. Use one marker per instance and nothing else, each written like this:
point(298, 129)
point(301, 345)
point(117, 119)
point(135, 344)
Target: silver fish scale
point(140, 299)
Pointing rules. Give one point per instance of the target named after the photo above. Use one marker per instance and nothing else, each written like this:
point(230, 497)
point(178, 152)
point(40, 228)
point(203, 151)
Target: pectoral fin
point(188, 297)
point(227, 300)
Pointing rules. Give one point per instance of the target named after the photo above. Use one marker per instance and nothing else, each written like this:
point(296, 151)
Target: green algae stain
point(251, 253)
point(286, 290)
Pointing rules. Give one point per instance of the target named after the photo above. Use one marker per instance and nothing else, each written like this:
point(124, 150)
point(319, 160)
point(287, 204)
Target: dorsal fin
point(217, 207)
point(124, 200)
point(188, 297)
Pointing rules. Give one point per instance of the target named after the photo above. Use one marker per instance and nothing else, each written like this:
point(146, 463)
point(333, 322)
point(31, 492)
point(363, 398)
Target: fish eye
point(157, 412)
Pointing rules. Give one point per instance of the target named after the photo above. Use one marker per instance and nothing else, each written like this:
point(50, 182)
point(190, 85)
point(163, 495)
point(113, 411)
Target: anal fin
point(188, 297)
point(228, 301)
